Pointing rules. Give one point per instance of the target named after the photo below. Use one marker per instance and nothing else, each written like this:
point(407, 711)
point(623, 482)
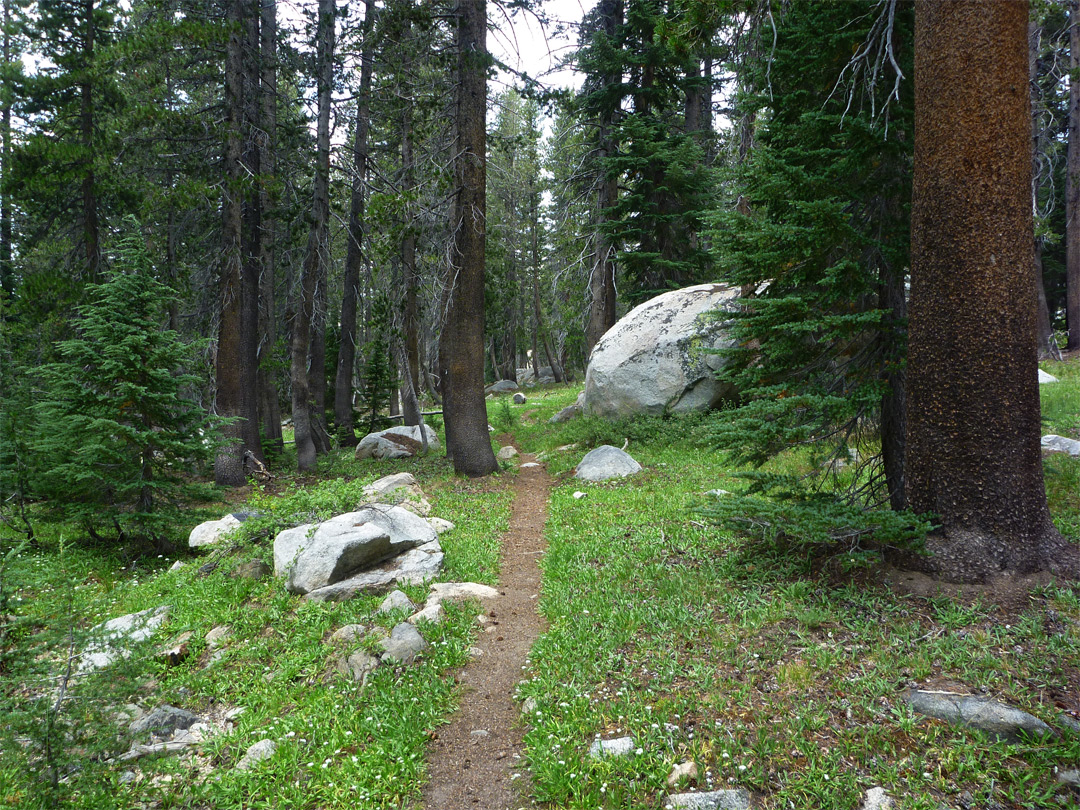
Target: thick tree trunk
point(973, 454)
point(410, 315)
point(315, 259)
point(354, 256)
point(1072, 186)
point(461, 348)
point(269, 403)
point(229, 463)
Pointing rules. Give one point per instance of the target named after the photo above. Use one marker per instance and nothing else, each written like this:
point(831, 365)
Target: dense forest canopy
point(355, 212)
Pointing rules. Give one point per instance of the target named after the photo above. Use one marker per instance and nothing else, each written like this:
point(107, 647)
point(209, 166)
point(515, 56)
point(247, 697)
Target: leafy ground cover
point(769, 666)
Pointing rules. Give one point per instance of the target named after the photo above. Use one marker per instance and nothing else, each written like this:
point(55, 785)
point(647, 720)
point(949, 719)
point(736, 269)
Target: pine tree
point(116, 431)
point(821, 242)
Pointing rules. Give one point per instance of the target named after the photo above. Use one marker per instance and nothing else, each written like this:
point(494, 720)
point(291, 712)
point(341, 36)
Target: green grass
point(773, 669)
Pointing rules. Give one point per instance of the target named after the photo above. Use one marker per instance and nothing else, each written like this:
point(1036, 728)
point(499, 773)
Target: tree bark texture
point(461, 347)
point(354, 255)
point(410, 312)
point(1072, 186)
point(269, 404)
point(315, 258)
point(7, 277)
point(1044, 331)
point(973, 454)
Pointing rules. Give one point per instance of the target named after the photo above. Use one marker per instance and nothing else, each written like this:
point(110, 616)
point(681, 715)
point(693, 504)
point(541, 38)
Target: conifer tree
point(116, 432)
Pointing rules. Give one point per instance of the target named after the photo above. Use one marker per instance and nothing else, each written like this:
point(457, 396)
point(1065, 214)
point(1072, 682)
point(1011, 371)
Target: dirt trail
point(471, 760)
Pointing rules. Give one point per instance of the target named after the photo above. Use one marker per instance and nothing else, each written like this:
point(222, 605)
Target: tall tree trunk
point(1072, 186)
point(315, 258)
point(229, 463)
point(7, 272)
point(602, 279)
point(461, 348)
point(1044, 331)
point(410, 326)
point(354, 255)
point(90, 236)
point(269, 403)
point(973, 454)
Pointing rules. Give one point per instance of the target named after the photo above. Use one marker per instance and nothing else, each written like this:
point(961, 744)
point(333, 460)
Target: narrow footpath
point(473, 761)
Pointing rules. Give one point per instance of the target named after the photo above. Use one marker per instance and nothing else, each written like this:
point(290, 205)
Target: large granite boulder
point(400, 489)
point(657, 360)
point(501, 387)
point(402, 441)
point(606, 462)
point(208, 533)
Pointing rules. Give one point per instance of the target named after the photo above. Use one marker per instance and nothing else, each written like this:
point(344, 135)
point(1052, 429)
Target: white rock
point(396, 600)
point(1046, 377)
point(655, 359)
point(460, 591)
point(440, 526)
point(400, 489)
point(339, 548)
point(606, 462)
point(579, 495)
point(1061, 444)
point(348, 634)
point(877, 799)
point(683, 770)
point(401, 441)
point(506, 453)
point(113, 639)
point(217, 635)
point(404, 644)
point(714, 800)
point(262, 750)
point(431, 613)
point(618, 747)
point(210, 532)
point(529, 465)
point(415, 567)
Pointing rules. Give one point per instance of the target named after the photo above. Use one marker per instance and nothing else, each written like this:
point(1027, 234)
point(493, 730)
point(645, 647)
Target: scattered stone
point(501, 387)
point(113, 639)
point(396, 600)
point(578, 495)
point(404, 644)
point(406, 528)
point(528, 465)
point(1070, 777)
point(479, 732)
point(414, 567)
point(127, 777)
point(529, 706)
point(262, 750)
point(718, 493)
point(659, 359)
point(975, 712)
point(163, 720)
point(1069, 722)
point(687, 771)
point(431, 613)
point(399, 489)
point(348, 634)
point(506, 453)
point(877, 799)
point(606, 462)
point(460, 591)
point(340, 548)
point(210, 532)
point(253, 569)
point(358, 665)
point(1046, 377)
point(618, 747)
point(176, 566)
point(570, 411)
point(206, 569)
point(1061, 444)
point(715, 800)
point(217, 635)
point(179, 652)
point(234, 712)
point(520, 399)
point(401, 441)
point(440, 526)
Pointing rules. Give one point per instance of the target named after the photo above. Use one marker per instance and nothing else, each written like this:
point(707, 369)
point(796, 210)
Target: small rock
point(506, 453)
point(234, 712)
point(349, 634)
point(431, 613)
point(163, 720)
point(253, 569)
point(210, 532)
point(718, 493)
point(127, 777)
point(217, 635)
point(1069, 721)
point(877, 799)
point(1070, 777)
point(396, 600)
point(618, 747)
point(399, 489)
point(579, 495)
point(1046, 377)
point(113, 639)
point(206, 569)
point(479, 732)
point(566, 414)
point(358, 665)
point(460, 591)
point(716, 800)
point(529, 706)
point(975, 712)
point(683, 771)
point(475, 652)
point(263, 749)
point(440, 526)
point(604, 463)
point(520, 398)
point(529, 464)
point(1061, 444)
point(404, 644)
point(501, 387)
point(176, 566)
point(179, 652)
